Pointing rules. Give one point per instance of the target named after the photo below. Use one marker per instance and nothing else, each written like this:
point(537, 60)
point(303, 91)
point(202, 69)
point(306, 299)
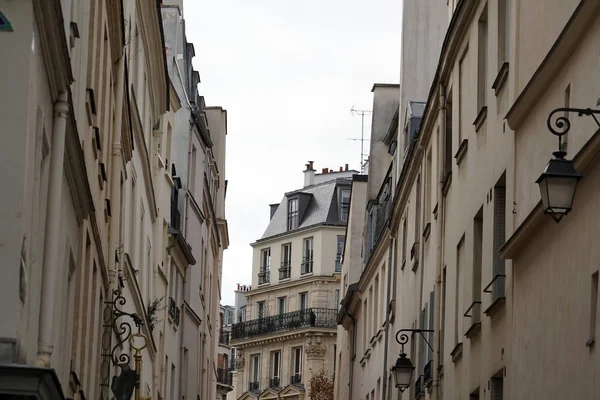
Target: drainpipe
point(440, 244)
point(387, 315)
point(51, 272)
point(352, 351)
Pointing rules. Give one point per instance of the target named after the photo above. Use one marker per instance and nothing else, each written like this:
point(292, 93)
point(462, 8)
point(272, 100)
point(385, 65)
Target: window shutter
point(497, 389)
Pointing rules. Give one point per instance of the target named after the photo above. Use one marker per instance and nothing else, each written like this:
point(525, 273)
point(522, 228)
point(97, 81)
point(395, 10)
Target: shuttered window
point(497, 389)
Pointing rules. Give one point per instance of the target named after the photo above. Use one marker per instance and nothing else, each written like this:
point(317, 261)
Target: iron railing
point(427, 373)
point(224, 377)
point(296, 379)
point(307, 264)
point(253, 386)
point(224, 338)
point(315, 317)
point(419, 387)
point(274, 382)
point(174, 311)
point(264, 277)
point(284, 271)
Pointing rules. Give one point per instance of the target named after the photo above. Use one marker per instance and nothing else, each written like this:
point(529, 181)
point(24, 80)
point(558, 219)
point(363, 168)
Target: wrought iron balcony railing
point(254, 387)
point(264, 277)
point(427, 373)
point(224, 377)
point(174, 311)
point(224, 338)
point(419, 387)
point(338, 263)
point(296, 379)
point(274, 382)
point(310, 317)
point(307, 264)
point(285, 270)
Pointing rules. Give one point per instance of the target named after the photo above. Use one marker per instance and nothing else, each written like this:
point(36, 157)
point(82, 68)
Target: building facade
point(289, 329)
point(483, 284)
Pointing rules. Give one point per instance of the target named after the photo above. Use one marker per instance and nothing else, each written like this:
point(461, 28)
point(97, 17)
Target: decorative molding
point(315, 352)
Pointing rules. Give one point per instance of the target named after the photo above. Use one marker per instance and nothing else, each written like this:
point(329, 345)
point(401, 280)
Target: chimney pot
point(341, 169)
point(346, 167)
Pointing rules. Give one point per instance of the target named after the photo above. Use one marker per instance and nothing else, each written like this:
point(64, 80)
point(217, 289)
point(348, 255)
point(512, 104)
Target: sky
point(288, 73)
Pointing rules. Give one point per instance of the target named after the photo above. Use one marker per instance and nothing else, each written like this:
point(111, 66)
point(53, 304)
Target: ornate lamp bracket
point(402, 337)
point(561, 125)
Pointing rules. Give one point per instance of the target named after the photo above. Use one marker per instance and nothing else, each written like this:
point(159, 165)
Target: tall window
point(266, 260)
point(297, 365)
point(499, 238)
point(307, 258)
point(281, 305)
point(255, 369)
point(262, 309)
point(477, 266)
point(340, 251)
point(482, 47)
point(428, 182)
point(443, 317)
point(448, 138)
point(464, 96)
point(192, 183)
point(292, 222)
point(503, 31)
point(460, 257)
point(303, 300)
point(337, 298)
point(274, 381)
point(344, 204)
point(286, 261)
point(404, 239)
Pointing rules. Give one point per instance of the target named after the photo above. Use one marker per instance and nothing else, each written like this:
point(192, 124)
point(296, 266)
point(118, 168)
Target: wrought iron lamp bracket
point(561, 125)
point(402, 337)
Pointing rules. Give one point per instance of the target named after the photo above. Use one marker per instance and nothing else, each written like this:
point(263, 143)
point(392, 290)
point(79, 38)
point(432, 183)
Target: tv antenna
point(362, 139)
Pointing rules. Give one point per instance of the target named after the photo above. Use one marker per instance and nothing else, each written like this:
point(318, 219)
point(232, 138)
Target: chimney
point(309, 174)
point(346, 167)
point(341, 169)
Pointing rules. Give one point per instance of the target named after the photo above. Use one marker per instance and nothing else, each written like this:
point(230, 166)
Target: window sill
point(501, 78)
point(481, 117)
point(462, 151)
point(447, 182)
point(457, 352)
point(473, 330)
point(496, 306)
point(306, 274)
point(427, 232)
point(284, 279)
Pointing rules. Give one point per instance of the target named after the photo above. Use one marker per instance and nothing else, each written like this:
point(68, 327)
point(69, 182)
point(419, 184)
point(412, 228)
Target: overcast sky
point(287, 72)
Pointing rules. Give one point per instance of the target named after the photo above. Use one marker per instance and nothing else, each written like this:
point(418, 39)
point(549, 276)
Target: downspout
point(387, 315)
point(352, 352)
point(440, 244)
point(51, 269)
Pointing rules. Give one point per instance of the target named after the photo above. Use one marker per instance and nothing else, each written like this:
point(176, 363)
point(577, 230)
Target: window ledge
point(462, 151)
point(481, 117)
point(306, 274)
point(496, 306)
point(473, 330)
point(427, 231)
point(457, 352)
point(501, 78)
point(284, 279)
point(447, 182)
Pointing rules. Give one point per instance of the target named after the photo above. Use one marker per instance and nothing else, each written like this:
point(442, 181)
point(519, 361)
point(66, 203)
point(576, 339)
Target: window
point(262, 309)
point(292, 214)
point(428, 181)
point(337, 299)
point(376, 306)
point(344, 204)
point(499, 239)
point(497, 387)
point(307, 258)
point(274, 381)
point(418, 209)
point(297, 360)
point(192, 183)
point(464, 100)
point(340, 251)
point(264, 275)
point(477, 267)
point(443, 316)
point(448, 138)
point(364, 327)
point(404, 239)
point(593, 309)
point(255, 369)
point(286, 261)
point(281, 305)
point(303, 300)
point(460, 257)
point(482, 46)
point(503, 32)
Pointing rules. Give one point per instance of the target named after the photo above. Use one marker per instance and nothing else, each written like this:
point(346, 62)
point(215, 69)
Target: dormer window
point(292, 221)
point(344, 204)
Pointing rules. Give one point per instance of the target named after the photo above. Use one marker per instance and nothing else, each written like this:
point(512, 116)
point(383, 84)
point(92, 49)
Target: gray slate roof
point(322, 208)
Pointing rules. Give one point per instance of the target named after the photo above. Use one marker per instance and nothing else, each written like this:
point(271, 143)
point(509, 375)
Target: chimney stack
point(341, 169)
point(309, 174)
point(346, 167)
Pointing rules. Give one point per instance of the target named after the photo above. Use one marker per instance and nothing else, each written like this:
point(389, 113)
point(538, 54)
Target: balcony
point(264, 277)
point(254, 387)
point(296, 379)
point(307, 264)
point(338, 263)
point(310, 317)
point(173, 311)
point(224, 338)
point(224, 377)
point(285, 270)
point(274, 382)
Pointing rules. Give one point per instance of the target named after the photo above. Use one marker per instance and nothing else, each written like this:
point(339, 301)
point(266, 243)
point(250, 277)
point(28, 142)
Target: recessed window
point(262, 309)
point(286, 261)
point(307, 256)
point(292, 222)
point(303, 301)
point(297, 365)
point(281, 305)
point(340, 252)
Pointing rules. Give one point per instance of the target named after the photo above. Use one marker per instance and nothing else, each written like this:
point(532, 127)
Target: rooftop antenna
point(362, 139)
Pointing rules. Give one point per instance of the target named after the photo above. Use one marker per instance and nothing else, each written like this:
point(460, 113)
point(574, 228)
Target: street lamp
point(559, 180)
point(404, 368)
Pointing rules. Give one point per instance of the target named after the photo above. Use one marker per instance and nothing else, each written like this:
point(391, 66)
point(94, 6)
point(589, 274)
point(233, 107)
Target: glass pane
point(560, 192)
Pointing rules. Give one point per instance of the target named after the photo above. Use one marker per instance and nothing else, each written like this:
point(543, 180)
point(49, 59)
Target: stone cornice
point(292, 283)
point(281, 337)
